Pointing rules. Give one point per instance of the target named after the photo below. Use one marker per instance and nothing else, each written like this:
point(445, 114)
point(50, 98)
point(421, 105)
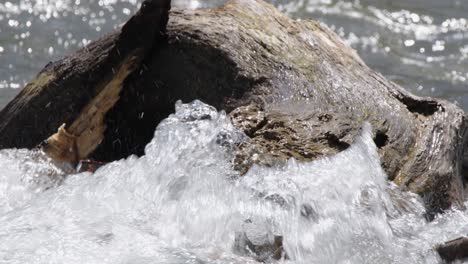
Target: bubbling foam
point(183, 203)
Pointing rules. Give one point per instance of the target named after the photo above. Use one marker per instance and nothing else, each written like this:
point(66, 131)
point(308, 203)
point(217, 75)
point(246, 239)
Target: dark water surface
point(420, 44)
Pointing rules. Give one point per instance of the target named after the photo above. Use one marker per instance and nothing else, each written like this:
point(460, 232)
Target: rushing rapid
point(183, 203)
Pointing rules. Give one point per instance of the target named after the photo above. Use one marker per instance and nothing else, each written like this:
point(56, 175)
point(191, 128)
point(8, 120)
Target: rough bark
point(293, 86)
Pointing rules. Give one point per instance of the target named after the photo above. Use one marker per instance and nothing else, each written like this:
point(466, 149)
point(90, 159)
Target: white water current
point(183, 203)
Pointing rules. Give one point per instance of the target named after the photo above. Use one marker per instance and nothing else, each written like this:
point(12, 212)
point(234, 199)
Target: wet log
point(292, 86)
point(75, 93)
point(456, 249)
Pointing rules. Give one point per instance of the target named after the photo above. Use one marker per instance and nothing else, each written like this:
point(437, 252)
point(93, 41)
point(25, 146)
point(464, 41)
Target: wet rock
point(89, 165)
point(456, 249)
point(403, 203)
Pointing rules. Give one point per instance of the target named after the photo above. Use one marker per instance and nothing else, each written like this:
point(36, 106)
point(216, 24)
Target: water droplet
point(126, 11)
point(439, 45)
point(409, 42)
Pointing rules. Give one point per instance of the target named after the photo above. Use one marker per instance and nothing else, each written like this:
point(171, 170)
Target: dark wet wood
point(63, 88)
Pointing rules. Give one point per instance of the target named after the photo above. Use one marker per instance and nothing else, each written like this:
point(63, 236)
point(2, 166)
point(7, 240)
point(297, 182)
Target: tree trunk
point(294, 88)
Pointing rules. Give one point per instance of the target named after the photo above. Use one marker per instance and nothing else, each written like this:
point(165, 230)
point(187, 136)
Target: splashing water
point(182, 203)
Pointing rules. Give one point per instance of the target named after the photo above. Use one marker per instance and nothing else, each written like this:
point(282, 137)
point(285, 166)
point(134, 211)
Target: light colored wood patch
point(81, 138)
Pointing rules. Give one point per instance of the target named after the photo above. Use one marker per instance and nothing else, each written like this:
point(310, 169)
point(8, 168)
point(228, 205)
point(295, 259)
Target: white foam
point(183, 203)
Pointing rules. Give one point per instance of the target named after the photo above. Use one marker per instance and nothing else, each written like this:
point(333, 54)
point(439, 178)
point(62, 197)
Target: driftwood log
point(293, 86)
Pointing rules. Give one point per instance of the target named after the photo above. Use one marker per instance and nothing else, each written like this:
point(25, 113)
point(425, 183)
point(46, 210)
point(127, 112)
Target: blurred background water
point(420, 44)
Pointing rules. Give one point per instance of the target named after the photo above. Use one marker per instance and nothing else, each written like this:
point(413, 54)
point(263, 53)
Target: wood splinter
point(74, 143)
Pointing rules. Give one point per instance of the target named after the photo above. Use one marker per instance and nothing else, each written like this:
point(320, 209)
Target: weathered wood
point(294, 87)
point(76, 92)
point(86, 132)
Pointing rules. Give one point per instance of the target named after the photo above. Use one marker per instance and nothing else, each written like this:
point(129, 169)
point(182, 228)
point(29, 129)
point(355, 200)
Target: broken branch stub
point(87, 130)
point(75, 93)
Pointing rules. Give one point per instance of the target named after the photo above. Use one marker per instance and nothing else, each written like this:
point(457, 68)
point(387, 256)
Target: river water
point(181, 202)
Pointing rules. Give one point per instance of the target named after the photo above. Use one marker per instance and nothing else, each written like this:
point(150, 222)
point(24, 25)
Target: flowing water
point(181, 202)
